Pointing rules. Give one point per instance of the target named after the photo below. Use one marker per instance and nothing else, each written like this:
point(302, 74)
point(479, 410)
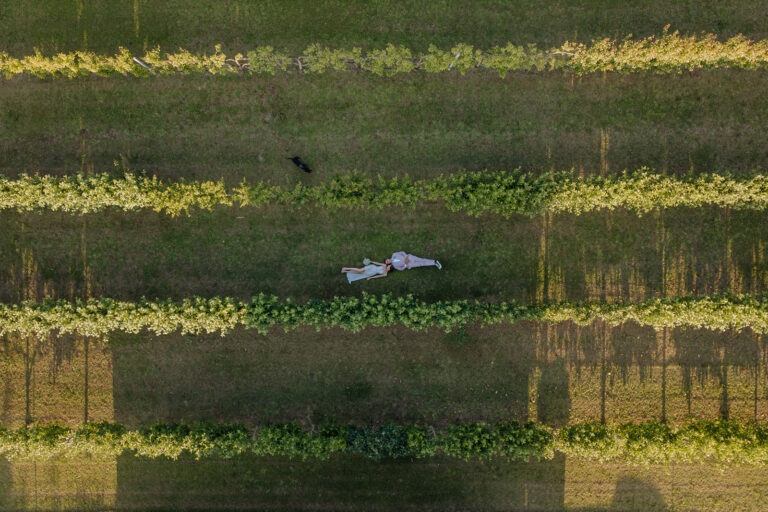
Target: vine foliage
point(505, 193)
point(100, 316)
point(667, 53)
point(721, 442)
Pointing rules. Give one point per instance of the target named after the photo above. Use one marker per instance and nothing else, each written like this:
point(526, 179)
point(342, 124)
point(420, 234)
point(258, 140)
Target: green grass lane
point(102, 25)
point(377, 377)
point(422, 125)
point(344, 484)
point(349, 483)
point(526, 372)
point(299, 254)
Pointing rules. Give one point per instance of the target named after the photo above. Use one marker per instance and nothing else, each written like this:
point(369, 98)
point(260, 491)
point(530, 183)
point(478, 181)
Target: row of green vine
point(667, 53)
point(721, 442)
point(99, 317)
point(475, 193)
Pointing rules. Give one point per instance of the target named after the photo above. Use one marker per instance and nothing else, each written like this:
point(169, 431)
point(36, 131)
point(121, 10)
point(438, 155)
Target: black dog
point(301, 165)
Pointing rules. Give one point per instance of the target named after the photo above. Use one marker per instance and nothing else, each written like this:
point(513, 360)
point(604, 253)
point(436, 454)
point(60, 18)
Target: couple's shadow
point(553, 408)
point(635, 494)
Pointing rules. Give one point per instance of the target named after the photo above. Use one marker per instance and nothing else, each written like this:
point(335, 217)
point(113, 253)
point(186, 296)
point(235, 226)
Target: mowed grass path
point(103, 25)
point(352, 484)
point(443, 484)
point(298, 254)
point(526, 372)
point(233, 128)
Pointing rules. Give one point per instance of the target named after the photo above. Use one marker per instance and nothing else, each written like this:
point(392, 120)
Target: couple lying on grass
point(399, 261)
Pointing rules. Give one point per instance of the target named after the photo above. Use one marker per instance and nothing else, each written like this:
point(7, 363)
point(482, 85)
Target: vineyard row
point(475, 193)
point(722, 442)
point(99, 317)
point(667, 53)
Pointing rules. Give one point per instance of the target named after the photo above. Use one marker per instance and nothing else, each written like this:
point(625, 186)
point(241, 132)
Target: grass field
point(299, 254)
point(387, 375)
point(526, 372)
point(102, 25)
point(421, 125)
point(230, 128)
point(275, 484)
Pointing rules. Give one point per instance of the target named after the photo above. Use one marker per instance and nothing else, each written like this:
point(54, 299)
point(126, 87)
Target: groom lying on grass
point(402, 261)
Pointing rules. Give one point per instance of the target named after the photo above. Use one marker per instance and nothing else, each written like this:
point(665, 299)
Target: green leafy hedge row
point(722, 442)
point(667, 53)
point(99, 317)
point(502, 192)
point(96, 192)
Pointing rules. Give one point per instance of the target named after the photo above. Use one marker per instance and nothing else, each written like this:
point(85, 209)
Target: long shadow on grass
point(553, 403)
point(371, 378)
point(706, 356)
point(635, 494)
point(474, 374)
point(375, 377)
point(389, 375)
point(344, 483)
point(6, 484)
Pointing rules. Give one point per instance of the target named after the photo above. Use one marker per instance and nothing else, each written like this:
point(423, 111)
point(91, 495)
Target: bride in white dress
point(370, 271)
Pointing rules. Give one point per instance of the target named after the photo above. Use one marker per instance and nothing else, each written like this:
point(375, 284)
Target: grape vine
point(667, 53)
point(702, 441)
point(100, 316)
point(475, 193)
